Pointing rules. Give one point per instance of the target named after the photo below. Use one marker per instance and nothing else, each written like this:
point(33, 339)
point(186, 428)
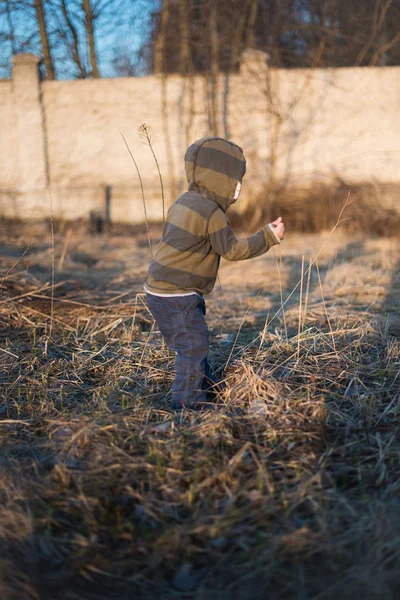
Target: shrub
point(314, 209)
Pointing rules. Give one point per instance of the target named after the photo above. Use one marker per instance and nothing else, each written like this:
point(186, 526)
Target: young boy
point(185, 264)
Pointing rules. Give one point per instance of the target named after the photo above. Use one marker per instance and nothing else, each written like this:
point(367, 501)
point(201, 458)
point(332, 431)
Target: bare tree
point(123, 64)
point(44, 39)
point(184, 32)
point(89, 25)
point(159, 58)
point(214, 68)
point(10, 23)
point(160, 69)
point(290, 31)
point(186, 64)
point(203, 36)
point(74, 44)
point(377, 41)
point(253, 8)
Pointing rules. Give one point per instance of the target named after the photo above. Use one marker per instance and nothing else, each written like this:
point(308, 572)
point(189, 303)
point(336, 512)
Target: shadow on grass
point(295, 499)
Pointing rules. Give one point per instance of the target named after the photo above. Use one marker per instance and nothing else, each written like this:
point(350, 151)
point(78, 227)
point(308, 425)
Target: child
point(185, 265)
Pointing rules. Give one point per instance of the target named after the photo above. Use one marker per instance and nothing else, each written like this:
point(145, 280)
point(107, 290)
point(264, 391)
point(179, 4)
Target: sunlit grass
point(287, 488)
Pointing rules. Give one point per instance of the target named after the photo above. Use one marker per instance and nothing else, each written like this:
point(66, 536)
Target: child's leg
point(191, 345)
point(182, 324)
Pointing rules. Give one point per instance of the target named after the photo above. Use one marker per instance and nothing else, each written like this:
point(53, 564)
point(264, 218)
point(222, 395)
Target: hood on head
point(213, 168)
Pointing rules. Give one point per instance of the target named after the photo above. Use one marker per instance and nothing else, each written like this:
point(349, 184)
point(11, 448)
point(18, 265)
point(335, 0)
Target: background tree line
point(93, 38)
point(76, 38)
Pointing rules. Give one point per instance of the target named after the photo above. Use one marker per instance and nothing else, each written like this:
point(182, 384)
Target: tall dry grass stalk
point(53, 263)
point(132, 327)
point(238, 333)
point(15, 264)
point(317, 255)
point(64, 250)
point(147, 134)
point(300, 307)
point(307, 293)
point(220, 303)
point(325, 307)
point(139, 364)
point(279, 269)
point(313, 260)
point(143, 196)
point(264, 331)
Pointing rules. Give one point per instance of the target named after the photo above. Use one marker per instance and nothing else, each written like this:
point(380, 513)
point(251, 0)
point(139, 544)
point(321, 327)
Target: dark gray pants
point(182, 324)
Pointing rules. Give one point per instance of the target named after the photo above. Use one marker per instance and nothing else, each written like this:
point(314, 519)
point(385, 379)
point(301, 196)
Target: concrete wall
point(61, 141)
point(8, 146)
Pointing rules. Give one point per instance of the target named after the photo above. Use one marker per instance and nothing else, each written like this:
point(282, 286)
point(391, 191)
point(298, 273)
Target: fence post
point(107, 211)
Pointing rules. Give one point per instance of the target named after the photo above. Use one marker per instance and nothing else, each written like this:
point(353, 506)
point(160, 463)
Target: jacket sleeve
point(224, 242)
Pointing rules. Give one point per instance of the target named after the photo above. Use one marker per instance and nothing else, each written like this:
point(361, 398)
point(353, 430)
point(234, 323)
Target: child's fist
point(279, 228)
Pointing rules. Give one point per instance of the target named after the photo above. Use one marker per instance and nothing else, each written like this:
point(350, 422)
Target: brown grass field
point(288, 489)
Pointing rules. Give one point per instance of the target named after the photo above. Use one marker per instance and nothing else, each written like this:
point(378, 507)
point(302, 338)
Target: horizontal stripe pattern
point(182, 280)
point(257, 244)
point(220, 186)
point(214, 166)
point(188, 219)
point(220, 201)
point(183, 240)
point(218, 221)
point(197, 232)
point(215, 143)
point(225, 243)
point(185, 260)
point(198, 203)
point(211, 158)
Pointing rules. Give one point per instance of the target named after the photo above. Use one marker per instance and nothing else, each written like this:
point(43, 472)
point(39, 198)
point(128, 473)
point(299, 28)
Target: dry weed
point(287, 488)
point(373, 210)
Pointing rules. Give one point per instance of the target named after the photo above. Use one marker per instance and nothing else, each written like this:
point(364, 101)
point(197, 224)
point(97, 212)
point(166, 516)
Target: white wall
point(318, 124)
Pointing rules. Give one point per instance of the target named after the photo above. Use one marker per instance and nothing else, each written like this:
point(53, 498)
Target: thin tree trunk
point(11, 28)
point(90, 36)
point(76, 57)
point(159, 58)
point(160, 69)
point(214, 67)
point(380, 56)
point(377, 23)
point(250, 24)
point(236, 50)
point(237, 39)
point(185, 64)
point(44, 39)
point(184, 49)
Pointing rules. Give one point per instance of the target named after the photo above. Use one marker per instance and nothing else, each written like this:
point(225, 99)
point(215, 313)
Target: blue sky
point(121, 29)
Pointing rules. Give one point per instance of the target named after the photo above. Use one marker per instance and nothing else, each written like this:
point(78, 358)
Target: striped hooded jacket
point(197, 232)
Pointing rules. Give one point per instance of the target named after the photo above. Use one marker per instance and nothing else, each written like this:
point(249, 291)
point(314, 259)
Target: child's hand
point(279, 228)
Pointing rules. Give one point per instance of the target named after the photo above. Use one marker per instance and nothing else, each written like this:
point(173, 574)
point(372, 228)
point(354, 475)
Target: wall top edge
point(24, 58)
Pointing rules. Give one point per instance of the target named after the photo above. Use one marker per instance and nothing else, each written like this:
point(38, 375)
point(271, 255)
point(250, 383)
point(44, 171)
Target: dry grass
point(374, 209)
point(287, 489)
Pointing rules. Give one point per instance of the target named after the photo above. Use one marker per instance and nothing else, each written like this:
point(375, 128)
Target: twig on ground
point(15, 264)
